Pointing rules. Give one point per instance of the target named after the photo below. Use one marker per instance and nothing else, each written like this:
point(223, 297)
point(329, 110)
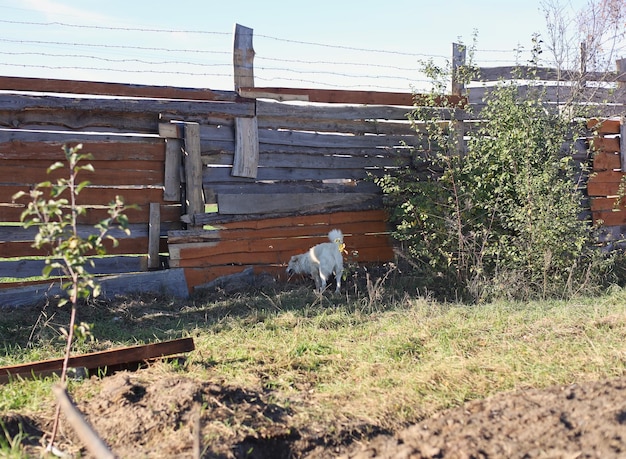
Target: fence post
point(154, 236)
point(246, 159)
point(457, 87)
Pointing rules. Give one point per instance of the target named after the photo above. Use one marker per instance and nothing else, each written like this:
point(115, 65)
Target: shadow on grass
point(143, 318)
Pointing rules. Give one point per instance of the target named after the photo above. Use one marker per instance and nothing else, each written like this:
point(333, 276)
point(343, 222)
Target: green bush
point(502, 218)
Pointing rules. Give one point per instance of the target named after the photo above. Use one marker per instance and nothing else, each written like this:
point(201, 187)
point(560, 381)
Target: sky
point(365, 45)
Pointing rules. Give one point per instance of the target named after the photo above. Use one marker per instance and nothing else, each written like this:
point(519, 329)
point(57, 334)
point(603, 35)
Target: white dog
point(321, 261)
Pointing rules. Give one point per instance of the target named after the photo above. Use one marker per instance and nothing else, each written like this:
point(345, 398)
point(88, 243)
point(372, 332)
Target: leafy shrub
point(501, 218)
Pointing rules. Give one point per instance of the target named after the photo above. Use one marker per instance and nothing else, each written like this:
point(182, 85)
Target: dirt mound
point(578, 421)
point(160, 417)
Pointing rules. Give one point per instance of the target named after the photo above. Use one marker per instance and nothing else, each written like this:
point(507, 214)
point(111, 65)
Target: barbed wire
point(376, 73)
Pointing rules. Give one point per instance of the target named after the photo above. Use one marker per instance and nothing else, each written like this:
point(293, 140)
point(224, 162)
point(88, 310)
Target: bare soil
point(146, 415)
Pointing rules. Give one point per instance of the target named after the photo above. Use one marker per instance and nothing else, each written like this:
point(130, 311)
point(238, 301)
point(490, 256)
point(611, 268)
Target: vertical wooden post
point(620, 65)
point(193, 172)
point(154, 236)
point(243, 57)
point(622, 142)
point(246, 159)
point(458, 87)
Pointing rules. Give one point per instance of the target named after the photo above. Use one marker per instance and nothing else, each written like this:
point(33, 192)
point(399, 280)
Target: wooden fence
point(223, 180)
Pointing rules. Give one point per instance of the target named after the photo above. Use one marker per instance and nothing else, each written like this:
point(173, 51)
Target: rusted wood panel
point(112, 89)
point(101, 360)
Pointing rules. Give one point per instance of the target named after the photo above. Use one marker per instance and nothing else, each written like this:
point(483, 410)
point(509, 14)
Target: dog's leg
point(322, 279)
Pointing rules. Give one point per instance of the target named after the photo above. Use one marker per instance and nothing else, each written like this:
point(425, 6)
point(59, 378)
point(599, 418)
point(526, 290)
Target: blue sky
point(297, 43)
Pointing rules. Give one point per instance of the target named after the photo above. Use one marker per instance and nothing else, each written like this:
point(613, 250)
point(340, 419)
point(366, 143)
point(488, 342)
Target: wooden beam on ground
point(103, 360)
point(348, 97)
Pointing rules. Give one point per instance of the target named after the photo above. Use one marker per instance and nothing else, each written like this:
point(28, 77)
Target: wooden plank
point(80, 120)
point(16, 102)
point(173, 166)
point(604, 183)
point(243, 57)
point(622, 142)
point(246, 159)
point(193, 169)
point(605, 144)
point(168, 282)
point(141, 214)
point(154, 236)
point(610, 218)
point(109, 265)
point(48, 146)
point(98, 361)
point(118, 173)
point(604, 126)
point(112, 89)
point(277, 111)
point(348, 97)
point(289, 203)
point(603, 161)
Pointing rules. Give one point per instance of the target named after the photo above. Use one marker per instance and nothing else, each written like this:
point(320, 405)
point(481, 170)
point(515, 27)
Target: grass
point(388, 362)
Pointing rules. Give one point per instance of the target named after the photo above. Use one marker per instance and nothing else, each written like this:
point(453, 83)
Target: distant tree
point(598, 28)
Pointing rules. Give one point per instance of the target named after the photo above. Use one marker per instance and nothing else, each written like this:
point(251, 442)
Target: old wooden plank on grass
point(102, 361)
point(168, 282)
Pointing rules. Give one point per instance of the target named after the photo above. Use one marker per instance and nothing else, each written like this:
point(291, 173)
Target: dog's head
point(294, 265)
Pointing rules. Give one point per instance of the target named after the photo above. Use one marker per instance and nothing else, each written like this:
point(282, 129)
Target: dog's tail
point(336, 236)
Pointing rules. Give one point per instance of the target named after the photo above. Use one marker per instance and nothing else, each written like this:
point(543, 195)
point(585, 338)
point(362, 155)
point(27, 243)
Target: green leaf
point(55, 166)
